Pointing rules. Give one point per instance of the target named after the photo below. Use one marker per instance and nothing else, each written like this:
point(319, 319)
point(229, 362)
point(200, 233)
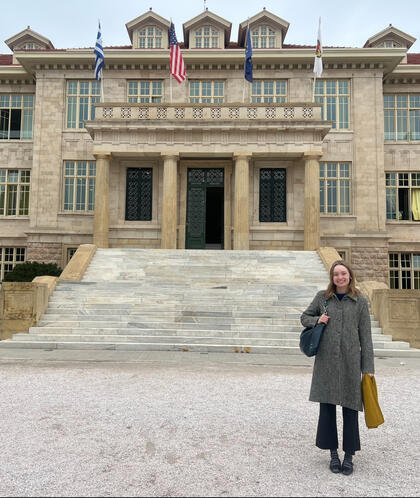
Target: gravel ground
point(193, 428)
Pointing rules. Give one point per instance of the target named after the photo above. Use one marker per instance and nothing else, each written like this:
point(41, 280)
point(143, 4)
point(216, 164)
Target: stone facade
point(242, 137)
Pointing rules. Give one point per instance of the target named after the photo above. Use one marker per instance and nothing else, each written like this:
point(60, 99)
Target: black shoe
point(335, 464)
point(347, 467)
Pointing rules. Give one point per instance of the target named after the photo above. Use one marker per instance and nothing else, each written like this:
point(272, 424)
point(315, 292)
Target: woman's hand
point(370, 375)
point(323, 319)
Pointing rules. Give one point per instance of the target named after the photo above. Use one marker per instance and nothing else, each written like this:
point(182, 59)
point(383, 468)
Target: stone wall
point(370, 263)
point(44, 252)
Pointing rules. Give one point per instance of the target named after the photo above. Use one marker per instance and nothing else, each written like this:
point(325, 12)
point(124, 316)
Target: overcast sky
point(73, 23)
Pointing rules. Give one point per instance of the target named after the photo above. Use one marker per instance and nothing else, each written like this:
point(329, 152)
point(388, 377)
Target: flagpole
point(246, 38)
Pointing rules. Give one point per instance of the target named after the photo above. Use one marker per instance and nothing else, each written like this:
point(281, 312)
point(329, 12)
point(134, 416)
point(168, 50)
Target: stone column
point(241, 202)
point(169, 202)
point(312, 207)
point(101, 216)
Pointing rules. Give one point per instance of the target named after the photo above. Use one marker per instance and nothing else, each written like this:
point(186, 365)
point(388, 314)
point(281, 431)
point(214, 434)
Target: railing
point(207, 112)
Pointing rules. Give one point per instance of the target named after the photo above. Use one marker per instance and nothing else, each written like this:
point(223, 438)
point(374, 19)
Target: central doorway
point(205, 208)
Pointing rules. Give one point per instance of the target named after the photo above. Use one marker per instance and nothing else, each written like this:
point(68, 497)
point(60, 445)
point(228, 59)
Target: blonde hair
point(332, 288)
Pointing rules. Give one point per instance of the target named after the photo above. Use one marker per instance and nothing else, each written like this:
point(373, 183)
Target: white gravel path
point(192, 429)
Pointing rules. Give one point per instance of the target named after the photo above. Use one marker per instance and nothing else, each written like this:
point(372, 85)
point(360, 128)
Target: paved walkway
point(182, 424)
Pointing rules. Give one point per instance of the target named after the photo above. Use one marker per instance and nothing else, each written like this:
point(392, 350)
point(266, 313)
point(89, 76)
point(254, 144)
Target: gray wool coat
point(345, 351)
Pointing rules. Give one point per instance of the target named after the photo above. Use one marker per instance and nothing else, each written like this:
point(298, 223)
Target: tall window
point(16, 117)
point(268, 91)
point(404, 270)
point(14, 192)
point(9, 257)
point(206, 92)
point(272, 195)
point(150, 37)
point(145, 92)
point(263, 37)
point(79, 186)
point(139, 192)
point(402, 117)
point(402, 196)
point(81, 99)
point(335, 188)
point(334, 95)
point(206, 37)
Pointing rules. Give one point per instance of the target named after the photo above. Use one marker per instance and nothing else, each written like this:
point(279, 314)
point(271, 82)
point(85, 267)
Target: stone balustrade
point(208, 112)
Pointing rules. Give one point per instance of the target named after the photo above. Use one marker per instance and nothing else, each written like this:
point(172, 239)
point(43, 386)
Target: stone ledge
point(78, 264)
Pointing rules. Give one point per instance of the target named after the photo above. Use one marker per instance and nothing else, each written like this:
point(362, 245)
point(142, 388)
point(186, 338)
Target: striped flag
point(318, 54)
point(178, 70)
point(99, 52)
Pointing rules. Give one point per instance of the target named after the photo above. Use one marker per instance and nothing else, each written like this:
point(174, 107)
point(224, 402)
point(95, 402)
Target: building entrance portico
point(207, 173)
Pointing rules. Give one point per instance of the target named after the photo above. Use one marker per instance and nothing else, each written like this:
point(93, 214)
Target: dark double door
point(205, 208)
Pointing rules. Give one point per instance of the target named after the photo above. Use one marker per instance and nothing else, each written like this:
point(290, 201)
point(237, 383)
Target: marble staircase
point(203, 301)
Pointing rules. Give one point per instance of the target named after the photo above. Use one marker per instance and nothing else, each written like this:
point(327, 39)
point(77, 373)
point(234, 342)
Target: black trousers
point(326, 437)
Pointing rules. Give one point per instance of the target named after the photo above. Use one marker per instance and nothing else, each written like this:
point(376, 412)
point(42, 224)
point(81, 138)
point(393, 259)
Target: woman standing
point(344, 354)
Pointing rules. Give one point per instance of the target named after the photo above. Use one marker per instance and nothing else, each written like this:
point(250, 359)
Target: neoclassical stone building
point(214, 161)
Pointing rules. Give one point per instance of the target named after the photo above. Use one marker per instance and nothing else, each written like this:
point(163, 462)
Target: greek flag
point(99, 52)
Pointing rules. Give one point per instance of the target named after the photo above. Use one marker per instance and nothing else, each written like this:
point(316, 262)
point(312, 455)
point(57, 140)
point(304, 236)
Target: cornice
point(15, 75)
point(334, 58)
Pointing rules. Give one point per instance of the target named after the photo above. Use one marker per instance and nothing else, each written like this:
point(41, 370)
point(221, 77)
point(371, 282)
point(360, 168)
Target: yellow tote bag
point(373, 413)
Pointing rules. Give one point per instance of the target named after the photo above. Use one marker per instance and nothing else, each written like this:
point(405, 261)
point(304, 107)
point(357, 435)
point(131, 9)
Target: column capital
point(103, 155)
point(307, 156)
point(242, 155)
point(172, 155)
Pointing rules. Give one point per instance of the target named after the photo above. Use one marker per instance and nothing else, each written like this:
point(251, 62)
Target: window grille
point(272, 195)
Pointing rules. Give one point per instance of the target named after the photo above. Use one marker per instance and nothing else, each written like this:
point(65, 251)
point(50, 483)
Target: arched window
point(206, 37)
point(263, 37)
point(150, 37)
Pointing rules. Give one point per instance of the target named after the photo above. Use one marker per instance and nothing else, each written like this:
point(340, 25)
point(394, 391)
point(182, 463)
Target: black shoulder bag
point(310, 337)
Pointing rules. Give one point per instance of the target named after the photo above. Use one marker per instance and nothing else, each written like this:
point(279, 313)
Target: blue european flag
point(248, 58)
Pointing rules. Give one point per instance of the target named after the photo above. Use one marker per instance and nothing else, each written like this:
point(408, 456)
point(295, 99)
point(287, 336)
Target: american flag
point(178, 70)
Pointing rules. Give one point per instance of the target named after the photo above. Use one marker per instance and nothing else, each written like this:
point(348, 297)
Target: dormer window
point(29, 46)
point(150, 37)
point(389, 44)
point(206, 37)
point(263, 37)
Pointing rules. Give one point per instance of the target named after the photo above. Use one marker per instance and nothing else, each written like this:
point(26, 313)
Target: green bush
point(26, 272)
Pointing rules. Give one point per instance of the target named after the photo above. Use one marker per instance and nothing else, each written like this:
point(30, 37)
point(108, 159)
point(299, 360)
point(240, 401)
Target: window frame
point(18, 256)
point(89, 188)
point(150, 39)
point(404, 270)
point(402, 180)
point(210, 40)
point(404, 128)
point(9, 104)
point(140, 98)
point(19, 196)
point(263, 40)
point(73, 113)
point(282, 182)
point(264, 98)
point(340, 108)
point(341, 180)
point(213, 99)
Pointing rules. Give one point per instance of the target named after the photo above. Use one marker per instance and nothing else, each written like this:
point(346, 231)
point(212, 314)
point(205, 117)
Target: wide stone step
point(235, 341)
point(200, 348)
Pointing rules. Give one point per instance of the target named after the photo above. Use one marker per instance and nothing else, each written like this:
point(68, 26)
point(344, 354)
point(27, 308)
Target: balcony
point(217, 129)
point(179, 113)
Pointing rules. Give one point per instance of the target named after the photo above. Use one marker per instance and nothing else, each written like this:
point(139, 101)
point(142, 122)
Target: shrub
point(26, 272)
